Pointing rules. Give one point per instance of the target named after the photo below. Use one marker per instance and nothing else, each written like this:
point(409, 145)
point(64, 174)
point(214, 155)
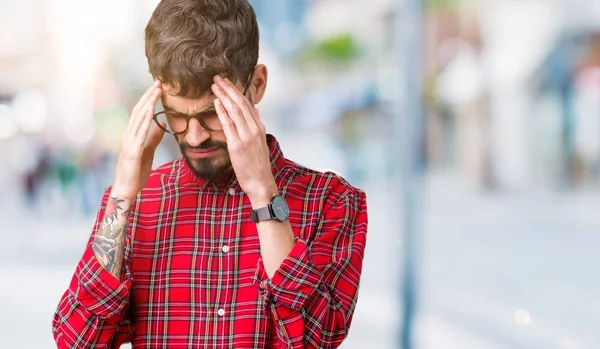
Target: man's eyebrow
point(209, 107)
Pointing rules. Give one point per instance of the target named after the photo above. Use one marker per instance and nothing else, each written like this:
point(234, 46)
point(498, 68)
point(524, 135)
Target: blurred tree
point(340, 47)
point(336, 51)
point(442, 4)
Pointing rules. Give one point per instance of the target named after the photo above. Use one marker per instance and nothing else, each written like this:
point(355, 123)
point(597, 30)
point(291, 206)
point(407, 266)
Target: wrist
point(262, 197)
point(123, 195)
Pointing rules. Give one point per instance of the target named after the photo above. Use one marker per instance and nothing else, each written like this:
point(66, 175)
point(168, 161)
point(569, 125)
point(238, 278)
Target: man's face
point(205, 151)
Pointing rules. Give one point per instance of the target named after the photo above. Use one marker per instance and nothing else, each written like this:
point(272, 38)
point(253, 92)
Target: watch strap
point(262, 214)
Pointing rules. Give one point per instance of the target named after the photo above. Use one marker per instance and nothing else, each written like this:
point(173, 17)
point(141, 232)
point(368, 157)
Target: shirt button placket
point(225, 249)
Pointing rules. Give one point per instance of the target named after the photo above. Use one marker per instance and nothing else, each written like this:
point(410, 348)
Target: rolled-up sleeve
point(92, 313)
point(98, 291)
point(313, 294)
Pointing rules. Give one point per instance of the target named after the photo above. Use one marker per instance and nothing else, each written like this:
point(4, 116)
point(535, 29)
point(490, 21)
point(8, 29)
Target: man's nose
point(196, 134)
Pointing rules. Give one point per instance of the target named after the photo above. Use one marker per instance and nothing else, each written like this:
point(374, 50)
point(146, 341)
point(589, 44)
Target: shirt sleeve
point(92, 313)
point(313, 294)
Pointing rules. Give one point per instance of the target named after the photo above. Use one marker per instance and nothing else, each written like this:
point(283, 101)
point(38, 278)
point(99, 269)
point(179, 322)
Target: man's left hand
point(246, 142)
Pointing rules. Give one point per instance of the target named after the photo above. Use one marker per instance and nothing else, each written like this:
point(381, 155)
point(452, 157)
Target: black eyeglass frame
point(200, 116)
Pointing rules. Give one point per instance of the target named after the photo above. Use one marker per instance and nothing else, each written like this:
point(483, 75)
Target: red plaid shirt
point(193, 276)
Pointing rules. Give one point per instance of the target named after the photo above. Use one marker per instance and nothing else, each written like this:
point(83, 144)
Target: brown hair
point(188, 42)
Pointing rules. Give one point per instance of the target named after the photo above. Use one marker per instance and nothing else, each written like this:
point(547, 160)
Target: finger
point(146, 114)
point(234, 112)
point(237, 97)
point(154, 97)
point(146, 122)
point(140, 133)
point(137, 109)
point(257, 121)
point(250, 112)
point(228, 127)
point(155, 137)
point(231, 90)
point(146, 95)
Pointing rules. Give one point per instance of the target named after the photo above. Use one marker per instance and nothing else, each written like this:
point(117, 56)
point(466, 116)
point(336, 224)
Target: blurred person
point(349, 137)
point(34, 177)
point(66, 172)
point(90, 170)
point(30, 184)
point(230, 246)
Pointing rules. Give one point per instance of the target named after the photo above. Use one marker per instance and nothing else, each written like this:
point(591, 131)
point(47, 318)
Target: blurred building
point(503, 81)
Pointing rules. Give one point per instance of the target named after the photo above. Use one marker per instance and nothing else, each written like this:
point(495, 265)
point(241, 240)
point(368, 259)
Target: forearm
point(108, 245)
point(276, 242)
point(313, 293)
point(305, 303)
point(90, 311)
point(276, 238)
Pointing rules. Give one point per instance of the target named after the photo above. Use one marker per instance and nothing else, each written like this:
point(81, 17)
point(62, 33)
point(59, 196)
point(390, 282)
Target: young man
point(230, 246)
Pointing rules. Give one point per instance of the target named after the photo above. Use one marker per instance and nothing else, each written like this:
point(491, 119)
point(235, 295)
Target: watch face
point(280, 208)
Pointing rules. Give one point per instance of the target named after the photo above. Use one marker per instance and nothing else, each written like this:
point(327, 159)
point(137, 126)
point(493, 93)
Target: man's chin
point(208, 168)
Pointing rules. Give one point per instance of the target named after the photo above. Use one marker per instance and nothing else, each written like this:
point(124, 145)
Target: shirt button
point(231, 191)
point(225, 248)
point(221, 312)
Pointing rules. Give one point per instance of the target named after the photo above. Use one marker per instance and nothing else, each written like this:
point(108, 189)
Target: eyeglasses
point(178, 123)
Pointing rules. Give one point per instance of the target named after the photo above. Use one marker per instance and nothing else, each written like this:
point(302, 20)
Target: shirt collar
point(186, 175)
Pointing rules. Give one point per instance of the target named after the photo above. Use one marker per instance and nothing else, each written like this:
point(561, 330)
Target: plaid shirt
point(193, 277)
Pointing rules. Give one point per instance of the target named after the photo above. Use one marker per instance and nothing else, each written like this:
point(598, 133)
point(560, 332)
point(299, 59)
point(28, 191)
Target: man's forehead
point(174, 90)
point(186, 105)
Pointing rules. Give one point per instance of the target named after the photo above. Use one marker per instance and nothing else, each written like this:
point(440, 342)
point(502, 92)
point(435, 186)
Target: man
point(230, 246)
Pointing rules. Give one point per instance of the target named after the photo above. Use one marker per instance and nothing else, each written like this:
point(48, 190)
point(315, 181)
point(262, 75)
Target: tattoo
point(126, 213)
point(112, 206)
point(108, 245)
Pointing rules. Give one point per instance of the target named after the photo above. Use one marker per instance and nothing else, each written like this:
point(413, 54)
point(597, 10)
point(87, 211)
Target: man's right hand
point(137, 153)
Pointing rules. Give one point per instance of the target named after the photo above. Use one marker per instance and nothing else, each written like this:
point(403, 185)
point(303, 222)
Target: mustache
point(206, 145)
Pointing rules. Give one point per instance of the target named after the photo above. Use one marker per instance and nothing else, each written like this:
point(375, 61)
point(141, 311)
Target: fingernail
point(218, 78)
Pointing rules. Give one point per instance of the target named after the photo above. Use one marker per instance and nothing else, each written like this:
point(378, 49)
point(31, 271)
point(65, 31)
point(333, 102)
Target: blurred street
point(530, 251)
point(510, 270)
point(494, 105)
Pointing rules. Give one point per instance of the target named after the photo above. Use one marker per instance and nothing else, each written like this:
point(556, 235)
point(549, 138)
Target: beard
point(208, 168)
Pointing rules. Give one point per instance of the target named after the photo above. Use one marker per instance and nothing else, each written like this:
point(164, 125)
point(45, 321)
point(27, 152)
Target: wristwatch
point(277, 209)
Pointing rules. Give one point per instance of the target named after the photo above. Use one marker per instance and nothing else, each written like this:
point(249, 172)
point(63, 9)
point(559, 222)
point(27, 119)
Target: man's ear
point(259, 83)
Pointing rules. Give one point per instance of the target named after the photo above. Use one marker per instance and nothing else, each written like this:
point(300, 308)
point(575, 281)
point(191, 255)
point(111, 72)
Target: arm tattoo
point(108, 245)
point(112, 208)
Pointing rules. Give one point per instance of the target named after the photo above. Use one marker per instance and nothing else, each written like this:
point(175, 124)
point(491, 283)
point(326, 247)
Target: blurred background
point(473, 126)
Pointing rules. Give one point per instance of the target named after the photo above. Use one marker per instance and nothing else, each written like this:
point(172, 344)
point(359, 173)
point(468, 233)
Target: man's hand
point(137, 153)
point(246, 142)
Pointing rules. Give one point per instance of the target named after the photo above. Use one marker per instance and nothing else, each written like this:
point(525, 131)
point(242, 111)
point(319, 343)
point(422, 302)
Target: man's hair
point(188, 42)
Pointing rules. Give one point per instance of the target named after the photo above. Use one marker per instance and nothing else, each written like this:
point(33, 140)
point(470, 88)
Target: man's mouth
point(201, 153)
